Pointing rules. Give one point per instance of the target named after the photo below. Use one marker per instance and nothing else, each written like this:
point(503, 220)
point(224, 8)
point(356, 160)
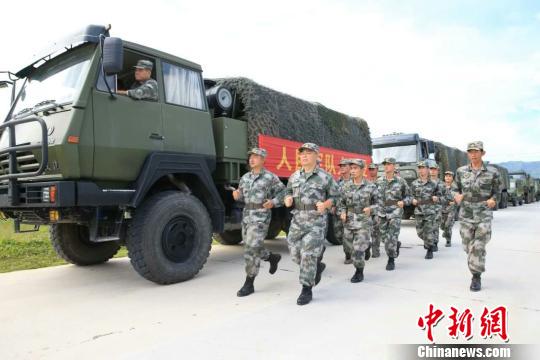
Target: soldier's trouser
point(389, 230)
point(375, 235)
point(474, 238)
point(253, 235)
point(360, 242)
point(306, 241)
point(338, 233)
point(425, 229)
point(447, 223)
point(438, 219)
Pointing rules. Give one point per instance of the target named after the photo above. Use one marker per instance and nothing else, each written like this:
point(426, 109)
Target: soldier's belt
point(390, 202)
point(476, 199)
point(356, 210)
point(253, 206)
point(305, 207)
point(426, 202)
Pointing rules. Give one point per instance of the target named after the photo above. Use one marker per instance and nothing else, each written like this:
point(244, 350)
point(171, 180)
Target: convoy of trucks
point(104, 170)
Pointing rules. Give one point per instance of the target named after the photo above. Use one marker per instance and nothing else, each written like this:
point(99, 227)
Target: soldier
point(426, 194)
point(345, 175)
point(313, 192)
point(393, 195)
point(434, 174)
point(375, 236)
point(144, 88)
point(449, 210)
point(260, 190)
point(357, 202)
point(478, 187)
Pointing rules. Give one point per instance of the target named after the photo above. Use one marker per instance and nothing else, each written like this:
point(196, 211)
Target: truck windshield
point(57, 80)
point(517, 176)
point(403, 153)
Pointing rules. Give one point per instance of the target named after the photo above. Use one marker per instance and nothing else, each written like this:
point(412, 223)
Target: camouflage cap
point(475, 145)
point(257, 151)
point(372, 166)
point(345, 162)
point(309, 146)
point(448, 173)
point(358, 162)
point(433, 165)
point(144, 64)
point(389, 160)
point(421, 164)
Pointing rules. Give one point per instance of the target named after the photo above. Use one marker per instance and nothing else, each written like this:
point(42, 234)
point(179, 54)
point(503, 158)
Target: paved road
point(108, 311)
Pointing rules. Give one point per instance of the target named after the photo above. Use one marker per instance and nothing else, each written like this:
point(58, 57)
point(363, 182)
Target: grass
point(29, 250)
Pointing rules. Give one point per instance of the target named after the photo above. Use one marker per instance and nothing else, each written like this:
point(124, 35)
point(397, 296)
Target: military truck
point(105, 170)
point(527, 184)
point(408, 149)
point(516, 190)
point(502, 196)
point(537, 189)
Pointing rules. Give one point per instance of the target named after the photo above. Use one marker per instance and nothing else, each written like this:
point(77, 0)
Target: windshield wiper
point(45, 102)
point(24, 110)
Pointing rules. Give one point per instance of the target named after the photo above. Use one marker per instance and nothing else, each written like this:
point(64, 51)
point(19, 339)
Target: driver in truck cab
point(144, 87)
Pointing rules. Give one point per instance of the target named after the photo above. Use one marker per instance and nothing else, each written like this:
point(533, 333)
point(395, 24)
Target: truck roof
point(391, 139)
point(163, 55)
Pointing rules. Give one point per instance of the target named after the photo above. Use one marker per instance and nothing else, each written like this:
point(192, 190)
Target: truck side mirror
point(113, 55)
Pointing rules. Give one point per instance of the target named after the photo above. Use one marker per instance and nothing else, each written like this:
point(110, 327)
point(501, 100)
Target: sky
point(452, 71)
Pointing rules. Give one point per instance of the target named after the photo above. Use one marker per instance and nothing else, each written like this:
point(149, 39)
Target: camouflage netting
point(449, 158)
point(273, 113)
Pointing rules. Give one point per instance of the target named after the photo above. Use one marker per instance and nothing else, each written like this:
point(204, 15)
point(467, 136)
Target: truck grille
point(26, 162)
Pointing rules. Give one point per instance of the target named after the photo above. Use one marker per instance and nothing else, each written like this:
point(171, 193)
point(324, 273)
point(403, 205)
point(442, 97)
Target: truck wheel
point(231, 237)
point(72, 243)
point(330, 234)
point(169, 237)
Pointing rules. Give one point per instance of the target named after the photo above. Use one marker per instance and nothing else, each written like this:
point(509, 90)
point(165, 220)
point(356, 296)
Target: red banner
point(283, 159)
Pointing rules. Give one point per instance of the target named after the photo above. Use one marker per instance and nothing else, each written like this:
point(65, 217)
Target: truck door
point(187, 124)
point(125, 130)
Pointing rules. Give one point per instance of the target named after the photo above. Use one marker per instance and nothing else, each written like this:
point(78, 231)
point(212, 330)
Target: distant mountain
point(531, 167)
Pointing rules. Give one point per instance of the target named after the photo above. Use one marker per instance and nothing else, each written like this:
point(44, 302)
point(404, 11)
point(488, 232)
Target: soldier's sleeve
point(240, 188)
point(332, 190)
point(341, 204)
point(278, 192)
point(496, 188)
point(443, 194)
point(288, 190)
point(459, 187)
point(407, 198)
point(147, 91)
point(374, 200)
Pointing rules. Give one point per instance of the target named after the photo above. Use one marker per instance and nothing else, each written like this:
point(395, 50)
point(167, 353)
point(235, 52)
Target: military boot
point(248, 288)
point(448, 242)
point(320, 268)
point(390, 265)
point(358, 275)
point(367, 254)
point(434, 248)
point(305, 296)
point(273, 259)
point(429, 253)
point(348, 259)
point(476, 284)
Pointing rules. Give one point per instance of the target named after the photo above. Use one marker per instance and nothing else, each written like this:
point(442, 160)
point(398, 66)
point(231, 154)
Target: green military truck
point(105, 170)
point(526, 185)
point(408, 149)
point(537, 189)
point(502, 197)
point(516, 190)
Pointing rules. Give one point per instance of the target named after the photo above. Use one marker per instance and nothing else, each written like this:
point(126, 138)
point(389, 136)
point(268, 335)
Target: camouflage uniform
point(375, 235)
point(475, 216)
point(425, 212)
point(354, 198)
point(390, 192)
point(336, 221)
point(449, 212)
point(147, 90)
point(307, 231)
point(255, 189)
point(439, 206)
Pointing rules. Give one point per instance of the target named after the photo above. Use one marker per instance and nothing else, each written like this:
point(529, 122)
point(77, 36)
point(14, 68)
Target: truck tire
point(330, 235)
point(169, 237)
point(72, 243)
point(231, 237)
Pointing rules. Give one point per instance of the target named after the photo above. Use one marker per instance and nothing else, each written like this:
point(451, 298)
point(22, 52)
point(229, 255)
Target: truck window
point(183, 87)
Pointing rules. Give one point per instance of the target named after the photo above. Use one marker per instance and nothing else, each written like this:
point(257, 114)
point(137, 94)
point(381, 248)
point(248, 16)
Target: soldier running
point(313, 192)
point(358, 201)
point(478, 187)
point(449, 210)
point(260, 190)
